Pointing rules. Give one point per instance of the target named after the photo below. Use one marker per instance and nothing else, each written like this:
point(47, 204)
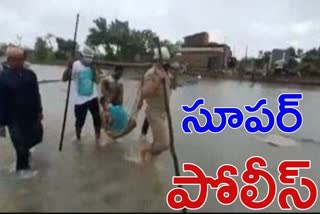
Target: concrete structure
point(201, 55)
point(279, 56)
point(196, 40)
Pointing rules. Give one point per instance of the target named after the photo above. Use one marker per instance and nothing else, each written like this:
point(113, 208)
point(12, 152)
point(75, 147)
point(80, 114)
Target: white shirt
point(77, 98)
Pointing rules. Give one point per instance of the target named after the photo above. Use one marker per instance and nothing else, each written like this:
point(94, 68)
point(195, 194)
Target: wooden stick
point(69, 85)
point(167, 106)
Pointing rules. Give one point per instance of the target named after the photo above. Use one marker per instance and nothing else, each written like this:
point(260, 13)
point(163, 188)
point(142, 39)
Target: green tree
point(263, 59)
point(3, 48)
point(299, 52)
point(173, 47)
point(65, 48)
point(310, 65)
point(148, 37)
point(119, 35)
point(266, 56)
point(292, 52)
point(41, 49)
point(99, 35)
point(135, 45)
point(122, 43)
point(232, 62)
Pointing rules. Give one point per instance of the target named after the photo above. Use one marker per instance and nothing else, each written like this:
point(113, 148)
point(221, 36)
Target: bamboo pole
point(69, 85)
point(169, 118)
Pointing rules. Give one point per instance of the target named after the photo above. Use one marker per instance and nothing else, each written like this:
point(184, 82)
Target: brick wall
point(198, 61)
point(196, 40)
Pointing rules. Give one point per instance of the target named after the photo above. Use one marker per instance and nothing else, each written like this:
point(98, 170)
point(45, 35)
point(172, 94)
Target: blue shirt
point(119, 118)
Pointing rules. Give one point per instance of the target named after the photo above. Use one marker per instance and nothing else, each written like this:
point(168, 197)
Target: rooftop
point(196, 34)
point(201, 49)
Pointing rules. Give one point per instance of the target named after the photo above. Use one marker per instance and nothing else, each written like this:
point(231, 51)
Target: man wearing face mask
point(85, 77)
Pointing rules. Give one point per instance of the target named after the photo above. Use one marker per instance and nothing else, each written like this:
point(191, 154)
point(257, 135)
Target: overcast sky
point(261, 25)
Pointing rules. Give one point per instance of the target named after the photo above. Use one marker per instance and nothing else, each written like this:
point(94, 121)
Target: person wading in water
point(173, 85)
point(84, 91)
point(20, 108)
point(153, 94)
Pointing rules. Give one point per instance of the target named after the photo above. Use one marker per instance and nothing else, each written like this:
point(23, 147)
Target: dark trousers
point(24, 136)
point(145, 127)
point(81, 113)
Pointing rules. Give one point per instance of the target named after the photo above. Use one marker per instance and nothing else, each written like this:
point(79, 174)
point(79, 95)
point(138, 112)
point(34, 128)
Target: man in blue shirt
point(20, 106)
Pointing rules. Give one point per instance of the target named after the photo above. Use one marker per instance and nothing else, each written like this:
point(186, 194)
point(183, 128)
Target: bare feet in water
point(146, 155)
point(100, 142)
point(76, 140)
point(143, 152)
point(26, 174)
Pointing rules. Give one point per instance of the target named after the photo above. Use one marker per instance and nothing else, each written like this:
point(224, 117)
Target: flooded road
point(84, 177)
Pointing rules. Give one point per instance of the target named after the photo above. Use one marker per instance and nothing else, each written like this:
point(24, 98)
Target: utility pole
point(19, 39)
point(234, 50)
point(246, 52)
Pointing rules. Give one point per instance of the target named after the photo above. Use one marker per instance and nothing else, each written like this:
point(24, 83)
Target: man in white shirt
point(84, 92)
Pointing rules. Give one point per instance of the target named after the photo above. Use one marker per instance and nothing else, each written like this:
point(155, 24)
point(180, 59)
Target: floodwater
point(84, 177)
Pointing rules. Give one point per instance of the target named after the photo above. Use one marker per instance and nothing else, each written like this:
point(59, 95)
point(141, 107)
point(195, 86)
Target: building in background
point(278, 58)
point(284, 61)
point(200, 55)
point(196, 40)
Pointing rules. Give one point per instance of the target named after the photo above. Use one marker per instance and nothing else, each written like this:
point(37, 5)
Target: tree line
point(117, 40)
point(305, 62)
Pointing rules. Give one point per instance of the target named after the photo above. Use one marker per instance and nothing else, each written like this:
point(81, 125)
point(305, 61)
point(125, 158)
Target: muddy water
point(84, 177)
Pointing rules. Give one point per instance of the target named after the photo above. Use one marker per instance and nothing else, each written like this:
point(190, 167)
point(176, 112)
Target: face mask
point(87, 60)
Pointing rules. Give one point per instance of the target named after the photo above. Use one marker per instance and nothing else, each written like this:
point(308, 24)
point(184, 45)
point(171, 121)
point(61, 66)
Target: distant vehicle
point(285, 65)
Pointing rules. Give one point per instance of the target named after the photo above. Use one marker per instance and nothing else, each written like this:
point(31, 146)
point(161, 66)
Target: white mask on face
point(87, 60)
